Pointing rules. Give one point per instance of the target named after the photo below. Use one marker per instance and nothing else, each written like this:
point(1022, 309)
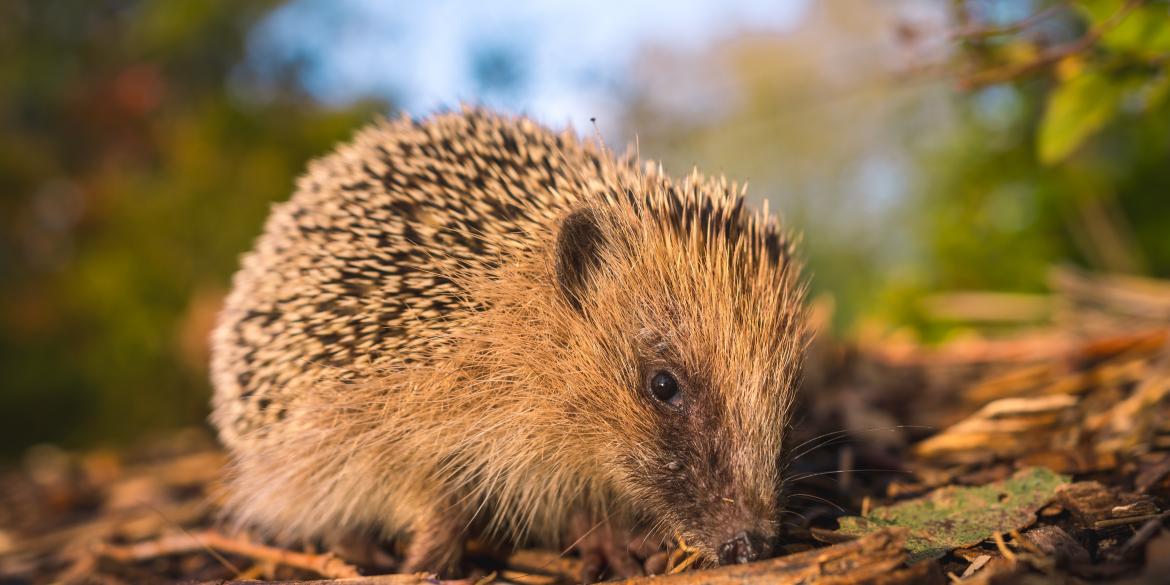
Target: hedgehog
point(470, 325)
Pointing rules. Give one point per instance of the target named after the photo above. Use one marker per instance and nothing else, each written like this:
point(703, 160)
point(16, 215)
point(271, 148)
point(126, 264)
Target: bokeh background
point(927, 149)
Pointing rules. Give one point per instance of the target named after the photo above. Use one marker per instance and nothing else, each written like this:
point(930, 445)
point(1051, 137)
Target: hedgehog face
point(708, 463)
point(701, 336)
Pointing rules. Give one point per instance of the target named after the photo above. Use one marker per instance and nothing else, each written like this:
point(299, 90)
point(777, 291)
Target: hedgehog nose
point(744, 547)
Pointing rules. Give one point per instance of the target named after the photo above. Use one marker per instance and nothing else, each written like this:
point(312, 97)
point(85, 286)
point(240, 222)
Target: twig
point(1049, 57)
point(536, 563)
point(398, 579)
point(99, 528)
point(1111, 522)
point(982, 32)
point(1002, 546)
point(211, 551)
point(866, 559)
point(686, 562)
point(1138, 541)
point(326, 565)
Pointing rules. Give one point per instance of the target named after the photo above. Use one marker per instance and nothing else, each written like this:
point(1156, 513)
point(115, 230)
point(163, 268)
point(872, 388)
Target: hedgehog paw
point(608, 551)
point(435, 547)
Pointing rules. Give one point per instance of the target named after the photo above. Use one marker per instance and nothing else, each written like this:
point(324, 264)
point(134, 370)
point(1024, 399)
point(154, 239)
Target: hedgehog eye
point(663, 386)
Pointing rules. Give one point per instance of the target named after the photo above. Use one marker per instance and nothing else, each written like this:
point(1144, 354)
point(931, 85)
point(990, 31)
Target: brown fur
point(419, 347)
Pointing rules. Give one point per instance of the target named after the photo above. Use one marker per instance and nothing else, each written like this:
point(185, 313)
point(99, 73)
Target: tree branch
point(1049, 57)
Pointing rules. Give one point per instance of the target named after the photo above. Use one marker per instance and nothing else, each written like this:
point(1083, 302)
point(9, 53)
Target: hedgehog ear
point(578, 254)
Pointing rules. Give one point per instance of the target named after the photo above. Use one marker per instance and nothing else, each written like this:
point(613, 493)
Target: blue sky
point(557, 61)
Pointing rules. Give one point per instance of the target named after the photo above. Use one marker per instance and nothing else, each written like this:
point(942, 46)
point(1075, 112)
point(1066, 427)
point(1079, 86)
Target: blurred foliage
point(136, 167)
point(1116, 64)
point(140, 149)
point(1062, 157)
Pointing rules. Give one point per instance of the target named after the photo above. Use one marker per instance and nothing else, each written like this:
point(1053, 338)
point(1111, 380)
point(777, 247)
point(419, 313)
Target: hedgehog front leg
point(436, 544)
point(607, 550)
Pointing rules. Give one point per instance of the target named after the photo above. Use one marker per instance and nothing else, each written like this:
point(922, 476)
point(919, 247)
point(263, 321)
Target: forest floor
point(1038, 454)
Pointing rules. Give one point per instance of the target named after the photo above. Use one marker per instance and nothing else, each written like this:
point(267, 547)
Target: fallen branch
point(872, 557)
point(326, 565)
point(399, 579)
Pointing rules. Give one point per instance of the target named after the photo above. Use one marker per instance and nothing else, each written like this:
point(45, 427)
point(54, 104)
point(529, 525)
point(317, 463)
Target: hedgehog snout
point(744, 547)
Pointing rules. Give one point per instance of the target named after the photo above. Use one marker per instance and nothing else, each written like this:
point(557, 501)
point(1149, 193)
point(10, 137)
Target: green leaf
point(1142, 31)
point(956, 517)
point(1098, 11)
point(1077, 109)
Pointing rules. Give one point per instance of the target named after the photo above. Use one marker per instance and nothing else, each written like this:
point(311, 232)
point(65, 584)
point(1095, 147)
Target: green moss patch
point(956, 517)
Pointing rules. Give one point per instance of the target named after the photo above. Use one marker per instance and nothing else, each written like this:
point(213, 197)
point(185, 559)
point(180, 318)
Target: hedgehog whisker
point(837, 437)
point(795, 513)
point(819, 437)
point(805, 476)
point(819, 499)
